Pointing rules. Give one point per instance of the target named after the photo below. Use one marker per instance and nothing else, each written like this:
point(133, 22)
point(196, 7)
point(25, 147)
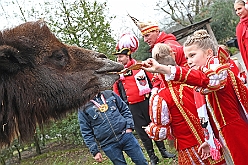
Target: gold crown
point(145, 27)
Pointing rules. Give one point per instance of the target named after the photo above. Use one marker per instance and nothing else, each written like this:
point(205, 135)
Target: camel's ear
point(11, 60)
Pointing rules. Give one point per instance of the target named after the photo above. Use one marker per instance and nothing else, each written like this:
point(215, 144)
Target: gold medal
point(103, 107)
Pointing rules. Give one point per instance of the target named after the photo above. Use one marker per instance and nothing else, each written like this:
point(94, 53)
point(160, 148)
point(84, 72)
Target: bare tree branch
point(183, 11)
point(22, 12)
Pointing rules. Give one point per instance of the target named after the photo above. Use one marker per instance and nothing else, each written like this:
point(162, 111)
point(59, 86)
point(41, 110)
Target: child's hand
point(204, 150)
point(150, 65)
point(98, 157)
point(129, 130)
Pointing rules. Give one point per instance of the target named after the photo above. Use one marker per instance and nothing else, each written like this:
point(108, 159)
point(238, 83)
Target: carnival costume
point(226, 104)
point(173, 113)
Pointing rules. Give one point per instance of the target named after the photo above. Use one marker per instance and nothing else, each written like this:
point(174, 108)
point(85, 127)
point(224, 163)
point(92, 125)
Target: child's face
point(240, 10)
point(196, 56)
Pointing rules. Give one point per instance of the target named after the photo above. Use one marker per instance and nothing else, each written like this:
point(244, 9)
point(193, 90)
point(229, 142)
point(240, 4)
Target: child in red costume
point(225, 95)
point(172, 111)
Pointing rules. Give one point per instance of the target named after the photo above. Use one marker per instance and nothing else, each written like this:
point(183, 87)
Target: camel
point(41, 78)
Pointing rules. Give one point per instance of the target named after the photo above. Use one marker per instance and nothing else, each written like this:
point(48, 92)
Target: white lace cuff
point(172, 75)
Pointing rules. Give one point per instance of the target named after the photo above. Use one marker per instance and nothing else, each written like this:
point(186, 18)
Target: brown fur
point(42, 78)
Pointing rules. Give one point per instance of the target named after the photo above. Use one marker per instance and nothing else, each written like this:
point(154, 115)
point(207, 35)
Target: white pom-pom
point(128, 40)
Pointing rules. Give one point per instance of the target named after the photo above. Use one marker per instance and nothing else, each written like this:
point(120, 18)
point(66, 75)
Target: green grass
point(80, 155)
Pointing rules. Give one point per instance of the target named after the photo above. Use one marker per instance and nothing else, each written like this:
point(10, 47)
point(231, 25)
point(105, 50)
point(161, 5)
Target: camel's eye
point(59, 58)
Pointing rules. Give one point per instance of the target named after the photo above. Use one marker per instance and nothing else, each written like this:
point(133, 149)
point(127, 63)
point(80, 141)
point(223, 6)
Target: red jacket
point(170, 39)
point(130, 89)
point(242, 38)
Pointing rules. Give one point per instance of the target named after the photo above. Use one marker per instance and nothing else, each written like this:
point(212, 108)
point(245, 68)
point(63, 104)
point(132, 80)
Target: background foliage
point(224, 19)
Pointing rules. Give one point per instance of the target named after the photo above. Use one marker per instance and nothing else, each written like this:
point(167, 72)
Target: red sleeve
point(191, 77)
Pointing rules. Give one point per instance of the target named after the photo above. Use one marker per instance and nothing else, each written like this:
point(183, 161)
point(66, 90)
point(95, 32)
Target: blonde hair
point(202, 39)
point(240, 2)
point(162, 53)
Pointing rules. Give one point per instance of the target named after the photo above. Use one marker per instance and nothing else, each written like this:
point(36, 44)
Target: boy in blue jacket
point(107, 120)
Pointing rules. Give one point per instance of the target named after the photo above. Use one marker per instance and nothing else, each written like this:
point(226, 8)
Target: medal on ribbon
point(103, 107)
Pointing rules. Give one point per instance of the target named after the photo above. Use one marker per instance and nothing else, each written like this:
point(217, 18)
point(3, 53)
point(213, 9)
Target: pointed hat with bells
point(145, 27)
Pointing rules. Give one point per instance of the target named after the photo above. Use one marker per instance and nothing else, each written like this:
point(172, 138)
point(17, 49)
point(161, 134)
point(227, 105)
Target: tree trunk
point(19, 153)
point(37, 145)
point(197, 7)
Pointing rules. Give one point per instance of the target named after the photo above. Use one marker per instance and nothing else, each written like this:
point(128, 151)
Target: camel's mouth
point(113, 71)
point(119, 72)
point(110, 72)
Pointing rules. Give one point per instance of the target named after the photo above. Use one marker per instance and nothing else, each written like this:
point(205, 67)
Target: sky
point(141, 9)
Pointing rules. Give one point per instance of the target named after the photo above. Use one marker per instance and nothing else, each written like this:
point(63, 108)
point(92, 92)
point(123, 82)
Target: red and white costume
point(173, 113)
point(227, 106)
point(134, 90)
